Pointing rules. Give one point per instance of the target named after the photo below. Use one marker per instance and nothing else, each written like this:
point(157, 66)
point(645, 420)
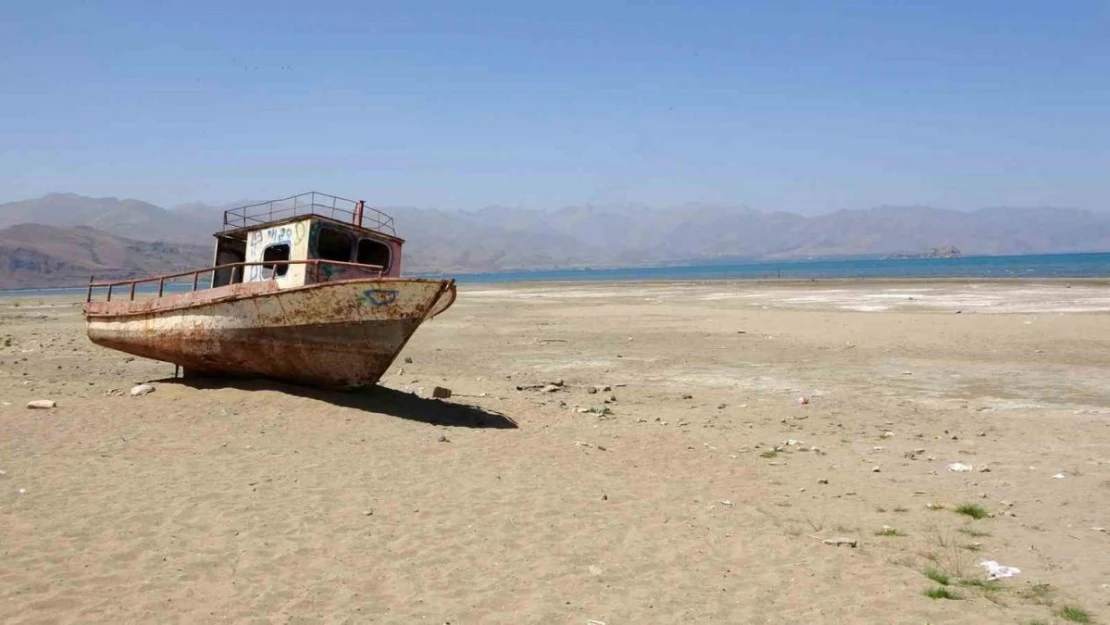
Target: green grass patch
point(972, 510)
point(938, 577)
point(1074, 614)
point(941, 592)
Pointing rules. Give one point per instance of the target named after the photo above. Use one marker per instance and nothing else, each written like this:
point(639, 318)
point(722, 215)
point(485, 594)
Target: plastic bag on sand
point(997, 571)
point(959, 467)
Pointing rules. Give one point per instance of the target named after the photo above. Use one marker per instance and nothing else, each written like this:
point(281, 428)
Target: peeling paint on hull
point(342, 334)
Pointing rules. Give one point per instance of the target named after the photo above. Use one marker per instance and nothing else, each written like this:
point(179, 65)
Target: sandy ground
point(697, 490)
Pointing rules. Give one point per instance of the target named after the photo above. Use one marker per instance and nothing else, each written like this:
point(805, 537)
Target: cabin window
point(275, 254)
point(371, 252)
point(333, 244)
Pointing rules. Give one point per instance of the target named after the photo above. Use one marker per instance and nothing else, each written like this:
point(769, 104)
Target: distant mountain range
point(113, 237)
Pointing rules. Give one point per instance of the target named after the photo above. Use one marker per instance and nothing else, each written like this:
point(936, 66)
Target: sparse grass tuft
point(901, 509)
point(1074, 614)
point(980, 584)
point(937, 577)
point(890, 531)
point(1040, 594)
point(974, 533)
point(973, 547)
point(972, 510)
point(942, 593)
point(770, 453)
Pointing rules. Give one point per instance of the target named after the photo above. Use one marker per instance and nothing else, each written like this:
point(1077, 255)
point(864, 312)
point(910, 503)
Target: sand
point(662, 500)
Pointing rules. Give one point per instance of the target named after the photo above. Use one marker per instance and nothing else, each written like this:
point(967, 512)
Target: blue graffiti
point(380, 297)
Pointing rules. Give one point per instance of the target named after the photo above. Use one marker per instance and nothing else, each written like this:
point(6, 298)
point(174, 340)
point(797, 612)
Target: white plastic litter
point(960, 467)
point(1059, 476)
point(997, 571)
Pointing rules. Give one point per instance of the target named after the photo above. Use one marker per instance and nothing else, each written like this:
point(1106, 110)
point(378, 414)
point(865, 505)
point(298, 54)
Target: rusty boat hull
point(334, 335)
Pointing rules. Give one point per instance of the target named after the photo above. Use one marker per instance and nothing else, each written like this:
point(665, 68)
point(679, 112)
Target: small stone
point(443, 439)
point(687, 397)
point(141, 389)
point(440, 392)
point(592, 390)
point(368, 513)
point(722, 406)
point(408, 360)
point(803, 400)
point(875, 469)
point(822, 481)
point(23, 491)
point(842, 542)
point(42, 404)
point(552, 388)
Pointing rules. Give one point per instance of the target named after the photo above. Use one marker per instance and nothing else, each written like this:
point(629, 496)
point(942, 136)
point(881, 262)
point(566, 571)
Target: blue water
point(1039, 266)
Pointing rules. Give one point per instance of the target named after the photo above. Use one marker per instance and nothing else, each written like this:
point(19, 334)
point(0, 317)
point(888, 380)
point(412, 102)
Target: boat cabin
point(305, 239)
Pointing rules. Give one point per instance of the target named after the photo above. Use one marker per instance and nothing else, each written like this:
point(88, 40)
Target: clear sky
point(779, 105)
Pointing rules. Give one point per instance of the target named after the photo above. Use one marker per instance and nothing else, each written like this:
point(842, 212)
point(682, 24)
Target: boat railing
point(319, 268)
point(307, 204)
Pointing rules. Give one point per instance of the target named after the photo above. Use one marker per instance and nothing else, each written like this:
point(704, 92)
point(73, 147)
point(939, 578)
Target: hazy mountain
point(502, 238)
point(35, 255)
point(125, 218)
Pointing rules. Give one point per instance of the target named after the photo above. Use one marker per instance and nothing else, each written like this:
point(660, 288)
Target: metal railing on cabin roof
point(306, 204)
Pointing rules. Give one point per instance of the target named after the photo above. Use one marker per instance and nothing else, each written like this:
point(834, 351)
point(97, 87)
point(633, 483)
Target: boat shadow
point(378, 399)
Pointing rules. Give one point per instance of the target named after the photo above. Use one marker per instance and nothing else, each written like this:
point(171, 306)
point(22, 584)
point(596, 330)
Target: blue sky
point(799, 106)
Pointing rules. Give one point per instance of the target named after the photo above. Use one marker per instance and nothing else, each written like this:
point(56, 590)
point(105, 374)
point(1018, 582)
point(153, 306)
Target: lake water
point(1038, 266)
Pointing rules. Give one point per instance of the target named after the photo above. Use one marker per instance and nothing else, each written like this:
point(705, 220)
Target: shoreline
point(871, 281)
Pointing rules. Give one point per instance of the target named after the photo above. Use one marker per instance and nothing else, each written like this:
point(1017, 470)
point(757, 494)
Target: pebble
point(441, 392)
point(141, 389)
point(803, 401)
point(842, 542)
point(875, 469)
point(443, 439)
point(408, 360)
point(41, 404)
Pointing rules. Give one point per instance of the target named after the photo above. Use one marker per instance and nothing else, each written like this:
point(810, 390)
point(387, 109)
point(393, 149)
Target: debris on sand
point(41, 404)
point(441, 392)
point(141, 389)
point(996, 571)
point(841, 542)
point(803, 400)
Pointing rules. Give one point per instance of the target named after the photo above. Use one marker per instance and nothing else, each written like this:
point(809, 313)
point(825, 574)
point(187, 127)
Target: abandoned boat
point(306, 290)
